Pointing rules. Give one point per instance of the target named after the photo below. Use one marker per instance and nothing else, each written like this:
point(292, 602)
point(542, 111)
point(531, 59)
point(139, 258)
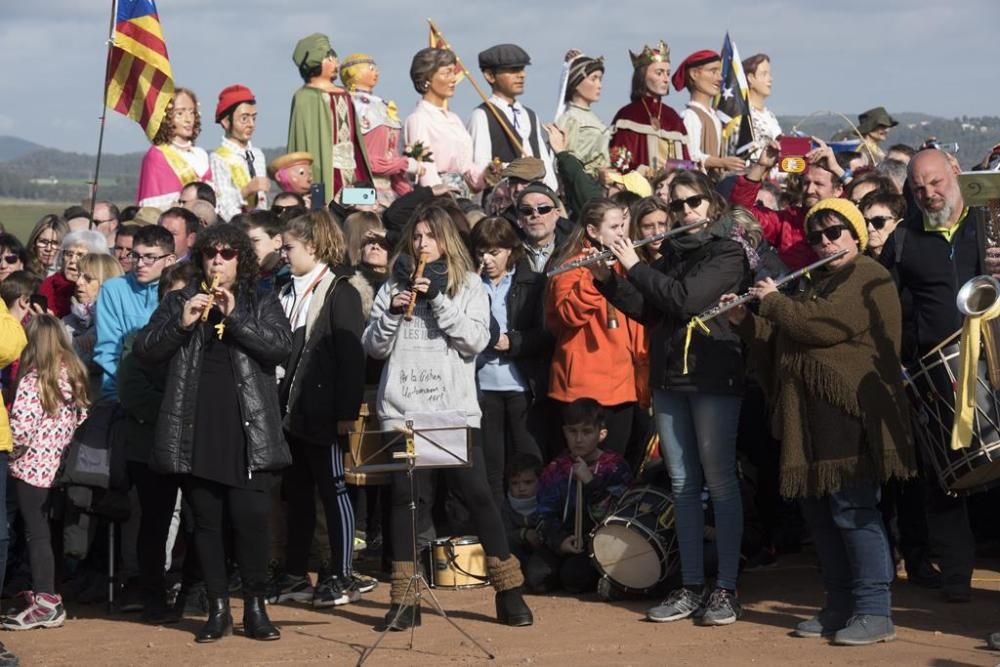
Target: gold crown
point(658, 54)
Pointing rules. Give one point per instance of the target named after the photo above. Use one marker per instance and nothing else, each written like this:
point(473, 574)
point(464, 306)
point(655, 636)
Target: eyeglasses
point(48, 243)
point(146, 260)
point(10, 259)
point(226, 253)
point(879, 221)
point(121, 250)
point(380, 241)
point(70, 255)
point(831, 233)
point(692, 202)
point(526, 211)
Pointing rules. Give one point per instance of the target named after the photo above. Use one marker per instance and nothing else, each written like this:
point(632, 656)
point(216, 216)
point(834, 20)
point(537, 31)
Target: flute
point(211, 298)
point(419, 273)
point(605, 255)
point(717, 310)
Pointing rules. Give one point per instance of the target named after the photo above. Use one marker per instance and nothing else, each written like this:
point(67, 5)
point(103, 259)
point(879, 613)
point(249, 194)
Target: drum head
point(627, 557)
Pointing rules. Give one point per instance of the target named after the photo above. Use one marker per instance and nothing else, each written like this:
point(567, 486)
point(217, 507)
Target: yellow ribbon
point(968, 374)
point(695, 322)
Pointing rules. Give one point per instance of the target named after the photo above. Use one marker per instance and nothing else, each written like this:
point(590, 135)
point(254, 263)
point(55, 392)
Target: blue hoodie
point(124, 305)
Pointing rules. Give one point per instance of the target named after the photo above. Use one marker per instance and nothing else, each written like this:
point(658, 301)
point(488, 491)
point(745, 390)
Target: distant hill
point(30, 171)
point(13, 147)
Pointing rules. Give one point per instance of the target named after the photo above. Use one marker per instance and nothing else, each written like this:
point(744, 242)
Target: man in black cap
point(538, 216)
point(513, 131)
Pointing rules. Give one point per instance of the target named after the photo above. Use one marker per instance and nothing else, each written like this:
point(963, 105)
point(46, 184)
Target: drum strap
point(449, 550)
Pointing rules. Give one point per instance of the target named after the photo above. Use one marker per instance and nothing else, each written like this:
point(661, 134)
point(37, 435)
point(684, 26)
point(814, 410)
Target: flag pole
point(104, 107)
point(489, 105)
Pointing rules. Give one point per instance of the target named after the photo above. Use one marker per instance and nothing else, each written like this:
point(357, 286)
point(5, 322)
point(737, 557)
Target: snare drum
point(636, 546)
point(365, 442)
point(930, 384)
point(458, 562)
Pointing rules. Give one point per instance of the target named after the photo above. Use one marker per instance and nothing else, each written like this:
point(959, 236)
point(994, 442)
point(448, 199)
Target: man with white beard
point(932, 253)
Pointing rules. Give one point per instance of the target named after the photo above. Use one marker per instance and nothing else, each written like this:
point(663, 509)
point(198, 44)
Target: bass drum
point(930, 385)
point(636, 546)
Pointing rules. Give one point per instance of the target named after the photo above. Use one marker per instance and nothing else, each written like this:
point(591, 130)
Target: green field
point(20, 215)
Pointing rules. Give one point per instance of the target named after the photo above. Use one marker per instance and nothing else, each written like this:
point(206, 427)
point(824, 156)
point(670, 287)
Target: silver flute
point(715, 311)
point(605, 255)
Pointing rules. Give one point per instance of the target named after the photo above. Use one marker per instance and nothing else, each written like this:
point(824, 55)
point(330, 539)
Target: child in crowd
point(51, 400)
point(563, 560)
point(520, 508)
point(16, 293)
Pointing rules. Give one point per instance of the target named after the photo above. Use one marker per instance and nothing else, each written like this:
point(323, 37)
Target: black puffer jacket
point(263, 339)
point(665, 296)
point(530, 342)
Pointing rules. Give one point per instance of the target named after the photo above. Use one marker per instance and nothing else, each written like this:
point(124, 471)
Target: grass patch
point(20, 215)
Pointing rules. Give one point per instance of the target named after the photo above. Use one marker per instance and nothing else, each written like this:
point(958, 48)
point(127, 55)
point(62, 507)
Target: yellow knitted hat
point(849, 212)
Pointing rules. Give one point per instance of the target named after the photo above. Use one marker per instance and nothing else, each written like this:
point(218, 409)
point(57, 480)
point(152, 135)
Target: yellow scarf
point(968, 374)
point(237, 170)
point(185, 172)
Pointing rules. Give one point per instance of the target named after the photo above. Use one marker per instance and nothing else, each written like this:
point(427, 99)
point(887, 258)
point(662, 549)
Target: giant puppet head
point(292, 172)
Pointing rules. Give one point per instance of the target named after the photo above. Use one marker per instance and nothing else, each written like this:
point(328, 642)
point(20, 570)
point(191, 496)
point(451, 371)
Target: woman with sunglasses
point(220, 422)
point(829, 358)
point(595, 346)
point(60, 287)
point(321, 390)
point(43, 244)
point(697, 381)
point(13, 256)
point(883, 212)
point(430, 364)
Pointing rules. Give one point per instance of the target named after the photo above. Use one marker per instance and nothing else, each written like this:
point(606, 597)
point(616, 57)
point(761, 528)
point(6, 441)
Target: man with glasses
point(538, 217)
point(783, 229)
point(125, 303)
point(238, 168)
point(122, 248)
point(105, 218)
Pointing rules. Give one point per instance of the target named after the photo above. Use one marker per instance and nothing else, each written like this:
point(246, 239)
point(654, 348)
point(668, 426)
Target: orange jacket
point(590, 360)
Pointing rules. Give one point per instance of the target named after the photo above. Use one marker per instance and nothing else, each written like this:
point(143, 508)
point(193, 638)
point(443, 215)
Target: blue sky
point(849, 55)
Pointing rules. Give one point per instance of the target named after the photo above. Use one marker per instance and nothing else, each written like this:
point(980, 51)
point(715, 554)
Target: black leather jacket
point(263, 339)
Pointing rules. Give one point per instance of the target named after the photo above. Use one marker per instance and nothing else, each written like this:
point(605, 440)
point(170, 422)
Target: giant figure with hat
point(510, 130)
point(237, 166)
point(586, 135)
point(701, 74)
point(648, 129)
point(380, 127)
point(874, 126)
point(173, 160)
point(323, 122)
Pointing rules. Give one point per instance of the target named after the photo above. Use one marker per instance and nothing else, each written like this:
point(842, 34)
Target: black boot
point(511, 608)
point(256, 624)
point(219, 623)
point(408, 618)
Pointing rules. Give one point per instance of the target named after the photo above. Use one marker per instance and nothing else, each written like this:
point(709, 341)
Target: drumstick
point(211, 297)
point(419, 273)
point(578, 525)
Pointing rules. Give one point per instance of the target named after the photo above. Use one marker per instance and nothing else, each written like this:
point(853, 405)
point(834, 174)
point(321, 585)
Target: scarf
point(717, 229)
point(523, 506)
point(84, 312)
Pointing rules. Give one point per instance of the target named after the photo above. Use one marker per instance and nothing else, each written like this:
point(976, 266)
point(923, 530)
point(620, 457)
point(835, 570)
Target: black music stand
point(418, 583)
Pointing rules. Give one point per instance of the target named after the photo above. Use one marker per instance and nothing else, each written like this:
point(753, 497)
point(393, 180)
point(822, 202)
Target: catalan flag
point(733, 103)
point(140, 82)
point(436, 40)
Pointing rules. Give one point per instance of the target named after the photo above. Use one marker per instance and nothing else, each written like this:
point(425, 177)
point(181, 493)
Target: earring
point(427, 84)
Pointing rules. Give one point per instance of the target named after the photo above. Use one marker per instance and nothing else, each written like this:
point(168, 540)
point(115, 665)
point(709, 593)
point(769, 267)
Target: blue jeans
point(853, 549)
point(698, 440)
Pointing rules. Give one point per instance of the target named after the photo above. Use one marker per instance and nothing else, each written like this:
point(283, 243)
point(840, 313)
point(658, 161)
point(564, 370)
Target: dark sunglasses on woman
point(693, 202)
point(879, 221)
point(226, 253)
point(831, 233)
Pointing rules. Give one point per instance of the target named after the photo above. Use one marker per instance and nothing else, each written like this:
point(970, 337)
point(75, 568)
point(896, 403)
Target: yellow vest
point(12, 341)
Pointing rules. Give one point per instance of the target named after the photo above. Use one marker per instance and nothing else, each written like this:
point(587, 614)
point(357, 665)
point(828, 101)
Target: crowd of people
point(552, 282)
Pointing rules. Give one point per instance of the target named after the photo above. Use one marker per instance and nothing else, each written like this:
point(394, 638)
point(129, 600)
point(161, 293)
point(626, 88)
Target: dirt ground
point(567, 631)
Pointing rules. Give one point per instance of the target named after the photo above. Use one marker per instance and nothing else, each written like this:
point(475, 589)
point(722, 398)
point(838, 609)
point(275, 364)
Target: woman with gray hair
point(61, 285)
point(446, 155)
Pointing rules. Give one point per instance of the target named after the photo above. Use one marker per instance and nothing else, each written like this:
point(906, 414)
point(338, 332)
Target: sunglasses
point(879, 221)
point(226, 253)
point(692, 202)
point(526, 211)
point(379, 241)
point(10, 259)
point(831, 234)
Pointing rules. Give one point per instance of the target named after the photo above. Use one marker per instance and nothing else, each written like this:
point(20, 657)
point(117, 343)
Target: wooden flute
point(419, 273)
point(211, 298)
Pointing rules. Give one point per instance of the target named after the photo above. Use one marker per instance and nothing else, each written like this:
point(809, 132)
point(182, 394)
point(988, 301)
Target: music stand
point(417, 583)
